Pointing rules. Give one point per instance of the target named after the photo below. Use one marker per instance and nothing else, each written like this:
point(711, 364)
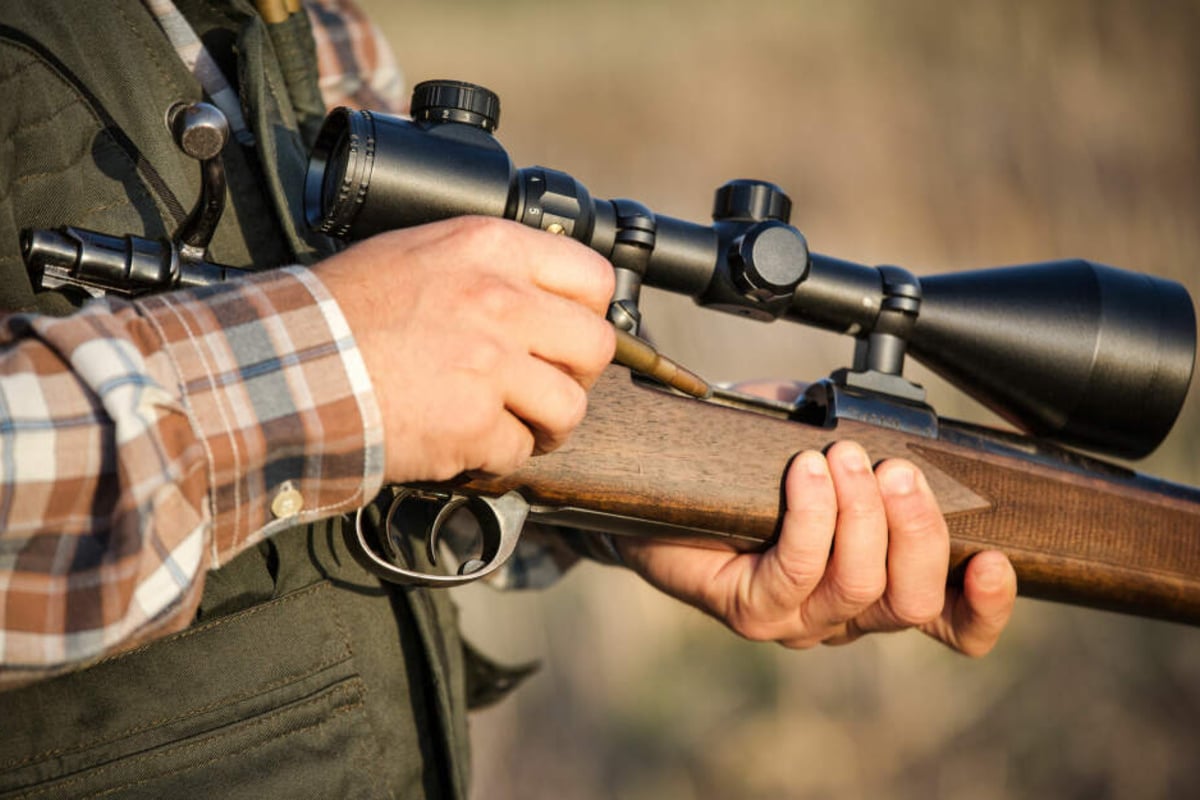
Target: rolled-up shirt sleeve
point(143, 443)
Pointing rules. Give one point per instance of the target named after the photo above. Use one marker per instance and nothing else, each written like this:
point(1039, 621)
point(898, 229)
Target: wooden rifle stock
point(646, 462)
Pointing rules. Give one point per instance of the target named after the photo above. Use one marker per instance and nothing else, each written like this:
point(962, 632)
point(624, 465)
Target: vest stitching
point(32, 62)
point(83, 153)
point(353, 688)
point(137, 34)
point(51, 117)
point(345, 654)
point(128, 148)
point(22, 67)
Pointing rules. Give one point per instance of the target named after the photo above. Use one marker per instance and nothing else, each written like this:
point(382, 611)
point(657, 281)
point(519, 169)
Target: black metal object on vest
point(131, 265)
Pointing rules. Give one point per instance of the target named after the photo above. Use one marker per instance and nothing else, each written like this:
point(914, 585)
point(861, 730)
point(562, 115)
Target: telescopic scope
point(1073, 351)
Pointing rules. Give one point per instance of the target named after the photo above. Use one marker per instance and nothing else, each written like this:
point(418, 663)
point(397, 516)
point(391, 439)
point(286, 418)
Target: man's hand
point(481, 337)
point(860, 551)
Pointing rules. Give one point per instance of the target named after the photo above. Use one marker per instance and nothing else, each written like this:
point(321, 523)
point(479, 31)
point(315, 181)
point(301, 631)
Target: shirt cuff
point(280, 397)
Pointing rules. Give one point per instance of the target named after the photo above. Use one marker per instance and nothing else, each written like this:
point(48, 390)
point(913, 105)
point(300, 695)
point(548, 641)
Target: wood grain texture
point(1080, 539)
point(1109, 541)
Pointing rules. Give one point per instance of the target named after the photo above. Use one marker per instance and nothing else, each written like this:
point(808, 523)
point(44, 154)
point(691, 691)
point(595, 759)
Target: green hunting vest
point(302, 675)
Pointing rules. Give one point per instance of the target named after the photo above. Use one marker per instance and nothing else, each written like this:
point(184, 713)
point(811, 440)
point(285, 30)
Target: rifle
point(1075, 354)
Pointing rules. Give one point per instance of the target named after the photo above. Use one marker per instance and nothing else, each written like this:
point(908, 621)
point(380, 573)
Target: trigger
point(434, 540)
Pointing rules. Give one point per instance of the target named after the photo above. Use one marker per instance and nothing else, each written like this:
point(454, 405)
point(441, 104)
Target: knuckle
point(443, 467)
point(926, 524)
point(479, 230)
point(575, 405)
point(491, 296)
point(862, 508)
point(916, 610)
point(482, 356)
point(862, 590)
point(798, 572)
point(570, 402)
point(564, 418)
point(478, 419)
point(594, 272)
point(604, 280)
point(511, 463)
point(605, 344)
point(507, 457)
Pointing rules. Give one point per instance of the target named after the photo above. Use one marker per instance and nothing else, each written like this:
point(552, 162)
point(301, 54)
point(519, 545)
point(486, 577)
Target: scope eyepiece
point(339, 171)
point(374, 172)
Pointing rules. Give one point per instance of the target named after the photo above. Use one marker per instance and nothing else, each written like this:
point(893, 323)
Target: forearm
point(151, 442)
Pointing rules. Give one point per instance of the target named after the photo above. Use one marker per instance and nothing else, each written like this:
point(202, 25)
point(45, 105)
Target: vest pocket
point(248, 705)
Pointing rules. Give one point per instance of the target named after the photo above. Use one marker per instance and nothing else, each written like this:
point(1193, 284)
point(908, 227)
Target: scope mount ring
point(500, 522)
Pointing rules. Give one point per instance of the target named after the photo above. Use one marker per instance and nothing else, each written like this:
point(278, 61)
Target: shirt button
point(288, 501)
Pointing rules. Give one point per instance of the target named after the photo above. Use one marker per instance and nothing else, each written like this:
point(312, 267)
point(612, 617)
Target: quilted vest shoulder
point(84, 141)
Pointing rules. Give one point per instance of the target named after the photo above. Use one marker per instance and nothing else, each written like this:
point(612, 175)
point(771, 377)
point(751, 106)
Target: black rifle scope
point(1073, 351)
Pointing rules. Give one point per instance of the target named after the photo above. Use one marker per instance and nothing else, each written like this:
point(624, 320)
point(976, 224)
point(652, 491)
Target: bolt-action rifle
point(1075, 354)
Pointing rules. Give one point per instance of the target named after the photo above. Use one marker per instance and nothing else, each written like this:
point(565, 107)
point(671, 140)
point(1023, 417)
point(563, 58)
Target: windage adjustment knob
point(769, 261)
point(456, 101)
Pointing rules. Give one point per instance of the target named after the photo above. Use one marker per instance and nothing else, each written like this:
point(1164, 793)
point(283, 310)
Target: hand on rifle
point(481, 337)
point(860, 551)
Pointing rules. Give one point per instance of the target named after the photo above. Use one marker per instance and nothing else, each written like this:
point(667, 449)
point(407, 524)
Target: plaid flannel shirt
point(356, 64)
point(144, 443)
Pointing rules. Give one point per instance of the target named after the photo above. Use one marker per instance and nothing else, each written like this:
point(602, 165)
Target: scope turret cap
point(751, 201)
point(456, 101)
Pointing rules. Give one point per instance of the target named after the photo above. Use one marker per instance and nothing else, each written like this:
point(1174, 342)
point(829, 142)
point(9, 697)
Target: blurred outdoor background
point(935, 135)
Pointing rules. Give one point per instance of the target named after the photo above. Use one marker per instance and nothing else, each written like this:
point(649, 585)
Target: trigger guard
point(500, 520)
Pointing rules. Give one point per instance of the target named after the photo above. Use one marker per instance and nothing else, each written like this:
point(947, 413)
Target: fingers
point(918, 552)
point(546, 400)
point(760, 596)
point(775, 587)
point(590, 280)
point(969, 620)
point(556, 264)
point(563, 333)
point(539, 292)
point(508, 444)
point(859, 551)
point(974, 617)
point(888, 564)
point(796, 564)
point(856, 575)
point(480, 337)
